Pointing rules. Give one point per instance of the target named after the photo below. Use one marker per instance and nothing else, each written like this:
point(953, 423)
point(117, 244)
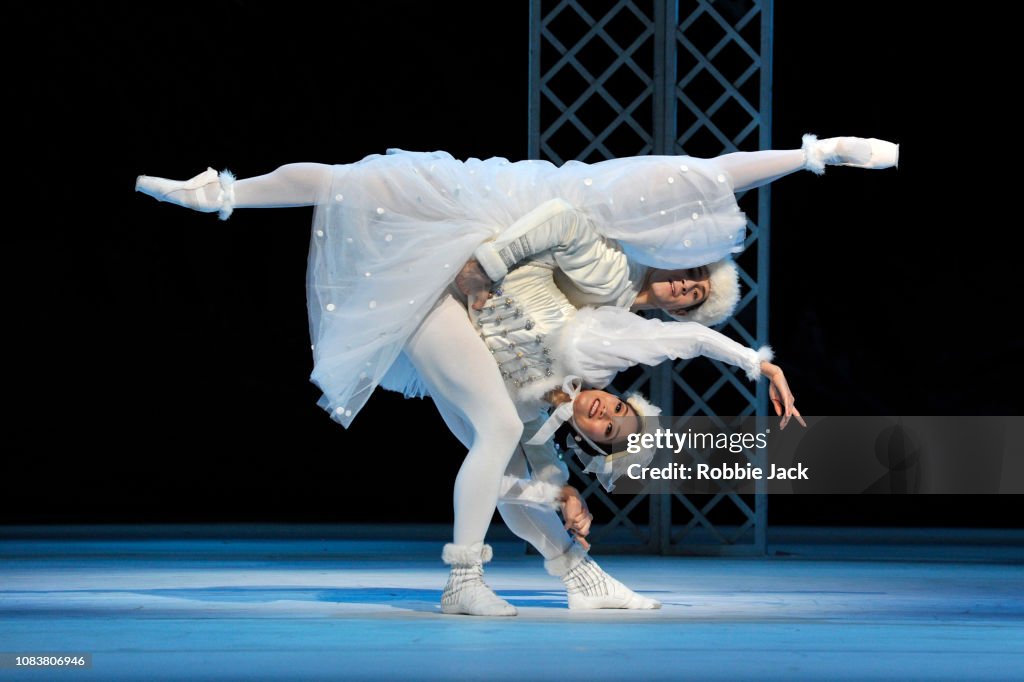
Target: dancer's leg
point(540, 528)
point(587, 584)
point(464, 381)
point(457, 367)
point(294, 184)
point(754, 169)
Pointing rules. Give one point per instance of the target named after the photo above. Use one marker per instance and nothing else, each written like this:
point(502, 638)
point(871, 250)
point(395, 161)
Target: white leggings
point(467, 387)
point(541, 528)
point(754, 169)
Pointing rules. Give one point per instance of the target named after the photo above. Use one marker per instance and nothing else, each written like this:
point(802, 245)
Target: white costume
point(390, 233)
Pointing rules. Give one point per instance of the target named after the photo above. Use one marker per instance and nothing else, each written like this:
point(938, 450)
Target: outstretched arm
point(604, 341)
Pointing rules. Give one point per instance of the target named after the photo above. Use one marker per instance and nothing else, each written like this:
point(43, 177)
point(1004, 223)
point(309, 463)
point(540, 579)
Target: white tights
point(541, 528)
point(754, 169)
point(290, 185)
point(294, 184)
point(467, 387)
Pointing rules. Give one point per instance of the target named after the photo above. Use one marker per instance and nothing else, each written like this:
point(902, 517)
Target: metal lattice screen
point(620, 78)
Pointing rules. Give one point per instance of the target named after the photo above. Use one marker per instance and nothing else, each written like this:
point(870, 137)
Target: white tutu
point(393, 231)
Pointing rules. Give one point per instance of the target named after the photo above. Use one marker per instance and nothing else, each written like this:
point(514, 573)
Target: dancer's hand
point(780, 395)
point(474, 283)
point(577, 516)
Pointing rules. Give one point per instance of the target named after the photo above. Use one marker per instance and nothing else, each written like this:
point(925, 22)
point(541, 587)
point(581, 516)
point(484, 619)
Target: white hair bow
point(561, 414)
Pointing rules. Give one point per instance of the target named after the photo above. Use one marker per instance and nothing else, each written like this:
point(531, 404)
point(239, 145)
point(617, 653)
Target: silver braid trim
point(515, 251)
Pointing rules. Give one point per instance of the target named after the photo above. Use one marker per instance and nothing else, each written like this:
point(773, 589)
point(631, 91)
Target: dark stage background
point(158, 358)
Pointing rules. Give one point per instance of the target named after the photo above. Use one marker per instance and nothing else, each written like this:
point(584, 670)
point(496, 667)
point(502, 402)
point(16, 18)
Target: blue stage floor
point(223, 605)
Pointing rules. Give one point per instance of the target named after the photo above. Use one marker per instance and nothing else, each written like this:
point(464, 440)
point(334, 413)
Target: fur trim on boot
point(466, 592)
point(466, 554)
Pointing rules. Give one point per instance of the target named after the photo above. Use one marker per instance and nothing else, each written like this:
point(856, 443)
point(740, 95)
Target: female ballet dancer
point(390, 232)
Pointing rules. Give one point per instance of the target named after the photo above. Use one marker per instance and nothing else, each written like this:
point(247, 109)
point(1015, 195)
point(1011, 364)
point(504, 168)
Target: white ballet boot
point(466, 591)
point(858, 152)
point(206, 192)
point(589, 587)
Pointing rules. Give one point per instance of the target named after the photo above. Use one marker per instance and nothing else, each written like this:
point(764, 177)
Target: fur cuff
point(226, 198)
point(490, 261)
point(565, 562)
point(764, 354)
point(534, 392)
point(531, 492)
point(814, 154)
point(465, 555)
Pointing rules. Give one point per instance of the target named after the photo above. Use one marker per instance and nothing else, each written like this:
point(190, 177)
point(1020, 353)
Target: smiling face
point(676, 290)
point(604, 418)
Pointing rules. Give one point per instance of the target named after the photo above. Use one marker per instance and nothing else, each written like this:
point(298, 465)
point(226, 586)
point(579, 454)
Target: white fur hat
point(722, 298)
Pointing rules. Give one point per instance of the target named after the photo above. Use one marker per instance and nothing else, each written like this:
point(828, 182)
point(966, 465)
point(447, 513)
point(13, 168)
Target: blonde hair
point(556, 397)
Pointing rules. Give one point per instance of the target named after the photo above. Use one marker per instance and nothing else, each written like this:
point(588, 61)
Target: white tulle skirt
point(392, 232)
